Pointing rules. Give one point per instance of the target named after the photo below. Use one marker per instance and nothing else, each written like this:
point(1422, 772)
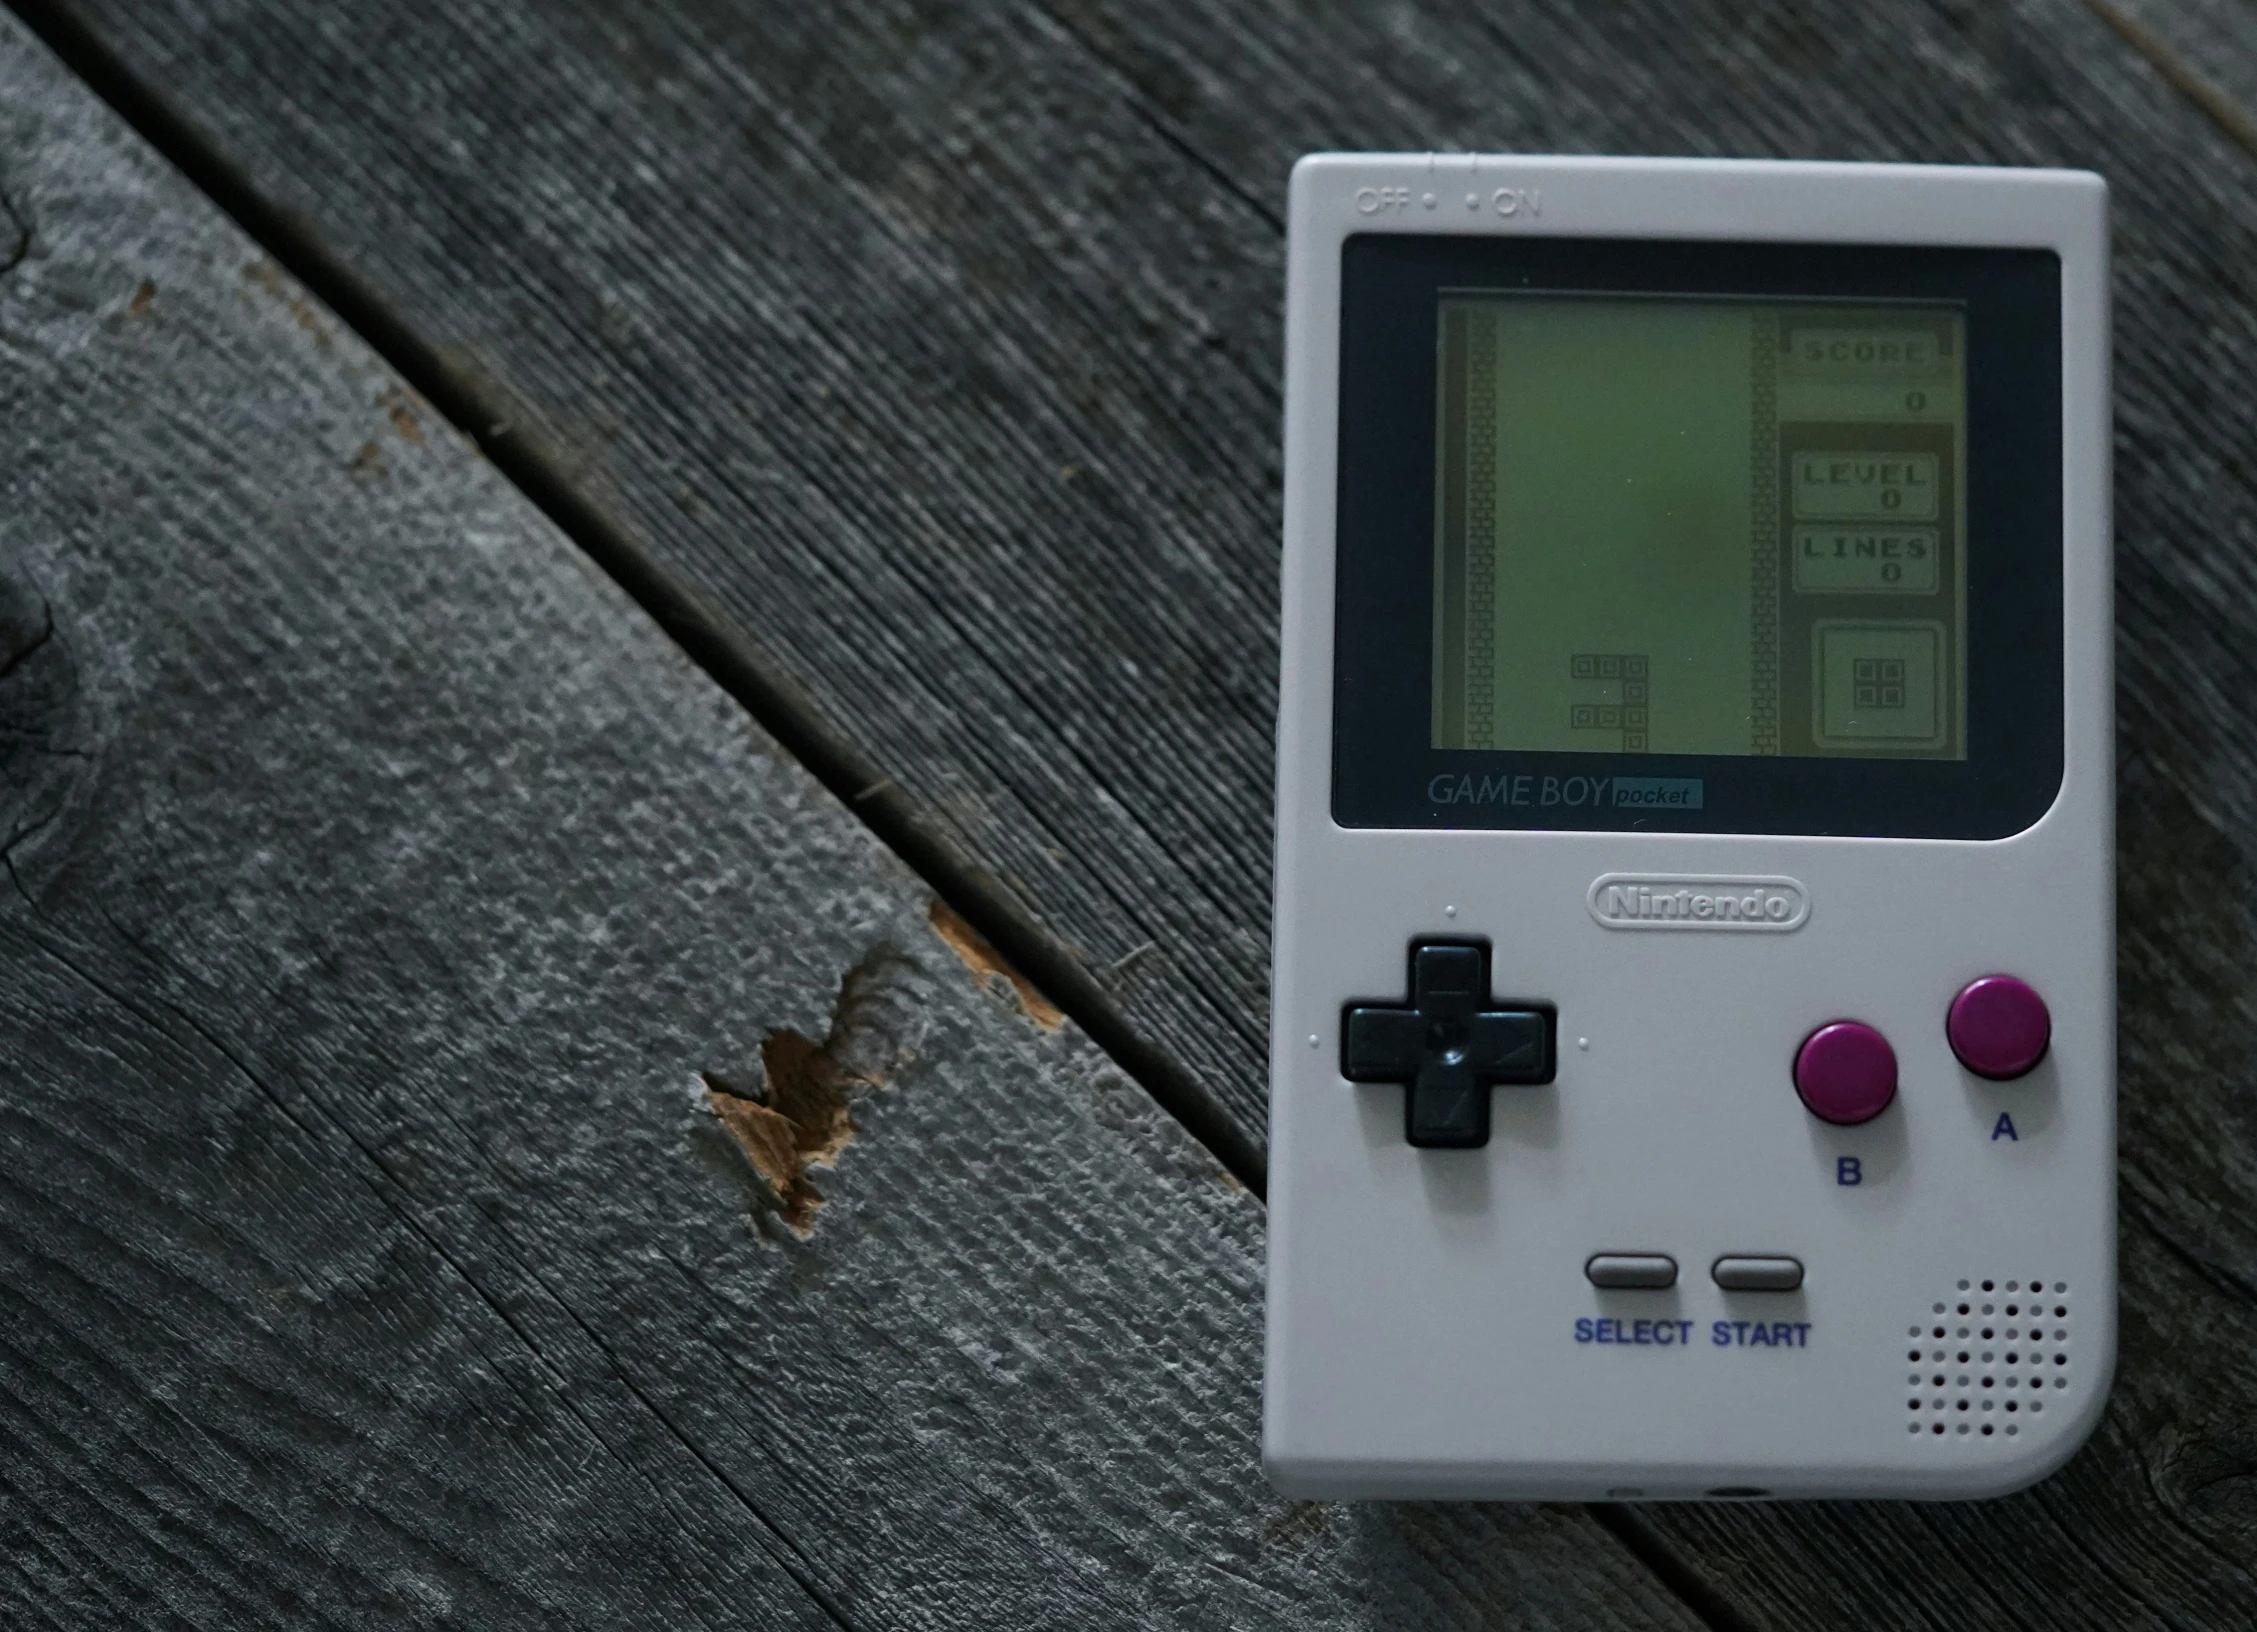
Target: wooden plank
point(627, 221)
point(928, 361)
point(1003, 507)
point(2145, 1528)
point(396, 928)
point(2206, 48)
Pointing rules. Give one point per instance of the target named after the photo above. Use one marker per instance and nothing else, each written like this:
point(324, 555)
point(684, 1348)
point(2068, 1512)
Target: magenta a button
point(1998, 1027)
point(1846, 1072)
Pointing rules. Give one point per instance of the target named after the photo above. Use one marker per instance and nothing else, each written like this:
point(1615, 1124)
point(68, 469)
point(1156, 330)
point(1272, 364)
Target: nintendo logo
point(1677, 901)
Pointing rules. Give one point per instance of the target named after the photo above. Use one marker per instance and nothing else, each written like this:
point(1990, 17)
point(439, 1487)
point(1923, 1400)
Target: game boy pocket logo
point(1677, 901)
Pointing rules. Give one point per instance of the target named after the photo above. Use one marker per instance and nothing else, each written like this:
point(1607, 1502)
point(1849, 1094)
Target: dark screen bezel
point(1385, 772)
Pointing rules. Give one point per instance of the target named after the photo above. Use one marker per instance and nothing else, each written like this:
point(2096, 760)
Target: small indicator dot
point(1428, 201)
point(1315, 1041)
point(1583, 1043)
point(1449, 912)
point(1473, 201)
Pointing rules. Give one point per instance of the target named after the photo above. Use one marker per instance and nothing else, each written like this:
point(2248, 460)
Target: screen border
point(1385, 774)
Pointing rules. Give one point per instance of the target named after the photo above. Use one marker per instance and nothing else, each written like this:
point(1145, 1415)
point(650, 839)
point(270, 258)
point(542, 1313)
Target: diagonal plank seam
point(772, 697)
point(1673, 1569)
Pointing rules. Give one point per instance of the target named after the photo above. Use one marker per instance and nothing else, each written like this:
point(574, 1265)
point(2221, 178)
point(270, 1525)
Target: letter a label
point(2004, 1129)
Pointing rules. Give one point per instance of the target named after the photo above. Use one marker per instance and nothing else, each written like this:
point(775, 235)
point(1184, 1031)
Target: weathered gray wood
point(394, 928)
point(933, 351)
point(2152, 1526)
point(2207, 48)
point(815, 306)
point(1002, 501)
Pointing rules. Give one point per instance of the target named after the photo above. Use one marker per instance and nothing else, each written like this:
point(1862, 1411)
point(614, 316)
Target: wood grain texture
point(934, 348)
point(2207, 48)
point(825, 304)
point(387, 903)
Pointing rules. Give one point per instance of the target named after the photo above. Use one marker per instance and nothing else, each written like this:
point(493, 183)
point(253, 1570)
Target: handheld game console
point(1693, 1033)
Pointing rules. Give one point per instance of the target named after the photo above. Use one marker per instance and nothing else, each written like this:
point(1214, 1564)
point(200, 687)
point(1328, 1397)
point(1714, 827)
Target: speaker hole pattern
point(1989, 1359)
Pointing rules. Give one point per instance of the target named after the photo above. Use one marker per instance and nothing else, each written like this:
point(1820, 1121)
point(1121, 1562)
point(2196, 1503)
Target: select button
point(1640, 1271)
point(1758, 1274)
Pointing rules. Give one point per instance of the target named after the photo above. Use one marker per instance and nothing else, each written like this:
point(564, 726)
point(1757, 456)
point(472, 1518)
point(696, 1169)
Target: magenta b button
point(1846, 1072)
point(1998, 1027)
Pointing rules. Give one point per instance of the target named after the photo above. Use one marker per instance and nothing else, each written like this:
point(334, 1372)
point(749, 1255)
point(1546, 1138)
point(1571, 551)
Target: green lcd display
point(1699, 526)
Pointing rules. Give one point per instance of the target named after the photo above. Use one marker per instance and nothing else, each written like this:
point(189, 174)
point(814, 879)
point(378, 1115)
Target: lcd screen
point(1699, 526)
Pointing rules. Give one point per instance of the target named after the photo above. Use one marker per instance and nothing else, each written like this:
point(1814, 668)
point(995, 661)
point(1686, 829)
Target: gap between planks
point(974, 915)
point(772, 697)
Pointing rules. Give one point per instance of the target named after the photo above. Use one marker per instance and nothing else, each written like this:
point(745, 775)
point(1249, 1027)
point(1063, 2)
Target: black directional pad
point(1449, 1048)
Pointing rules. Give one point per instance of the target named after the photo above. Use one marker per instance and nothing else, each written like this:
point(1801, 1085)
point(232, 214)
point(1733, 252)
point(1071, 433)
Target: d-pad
point(1448, 1048)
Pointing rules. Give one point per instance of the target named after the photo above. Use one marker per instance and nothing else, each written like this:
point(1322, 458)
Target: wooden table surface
point(636, 661)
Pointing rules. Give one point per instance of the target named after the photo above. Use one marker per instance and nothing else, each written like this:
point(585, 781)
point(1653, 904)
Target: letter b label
point(1848, 1170)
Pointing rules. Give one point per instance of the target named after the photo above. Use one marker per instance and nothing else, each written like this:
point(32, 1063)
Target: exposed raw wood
point(988, 967)
point(380, 884)
point(933, 351)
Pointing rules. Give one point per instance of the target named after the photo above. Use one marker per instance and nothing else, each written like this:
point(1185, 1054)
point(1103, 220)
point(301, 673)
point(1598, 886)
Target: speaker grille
point(1989, 1359)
